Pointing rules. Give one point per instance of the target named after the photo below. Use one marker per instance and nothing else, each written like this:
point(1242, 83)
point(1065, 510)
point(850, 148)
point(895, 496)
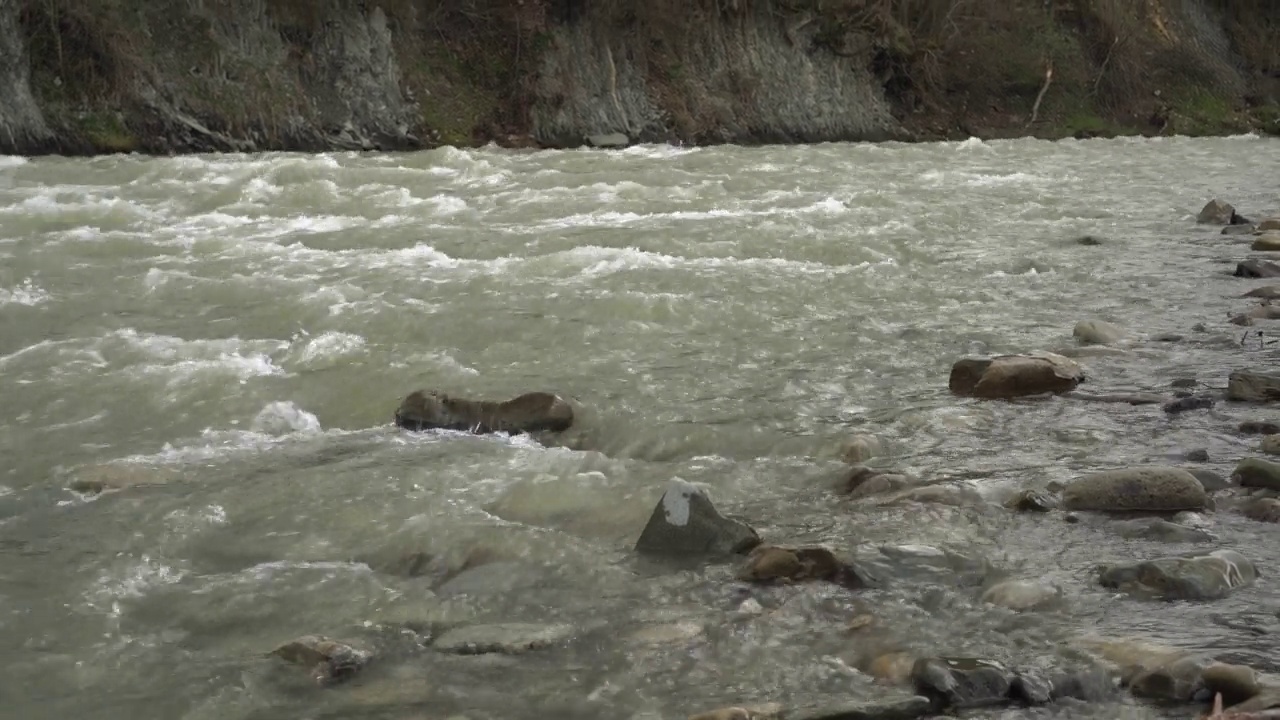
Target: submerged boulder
point(329, 660)
point(1195, 678)
point(530, 412)
point(685, 522)
point(1097, 332)
point(1270, 444)
point(1149, 488)
point(506, 638)
point(1266, 292)
point(1269, 224)
point(863, 481)
point(1247, 386)
point(1021, 595)
point(1011, 376)
point(1262, 510)
point(861, 448)
point(1196, 577)
point(1159, 530)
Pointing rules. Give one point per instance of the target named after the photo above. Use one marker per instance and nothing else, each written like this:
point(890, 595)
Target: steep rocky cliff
point(88, 76)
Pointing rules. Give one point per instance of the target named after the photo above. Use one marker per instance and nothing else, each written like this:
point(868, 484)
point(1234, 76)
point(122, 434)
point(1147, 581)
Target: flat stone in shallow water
point(1248, 386)
point(1152, 488)
point(506, 638)
point(1267, 242)
point(1201, 577)
point(1012, 376)
point(1160, 530)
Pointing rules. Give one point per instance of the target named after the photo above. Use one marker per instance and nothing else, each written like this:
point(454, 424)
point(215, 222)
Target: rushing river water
point(225, 338)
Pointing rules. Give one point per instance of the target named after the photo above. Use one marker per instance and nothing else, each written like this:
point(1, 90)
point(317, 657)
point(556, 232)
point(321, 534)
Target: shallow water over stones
point(201, 358)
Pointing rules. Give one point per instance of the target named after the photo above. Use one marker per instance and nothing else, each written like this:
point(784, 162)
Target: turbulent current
point(219, 343)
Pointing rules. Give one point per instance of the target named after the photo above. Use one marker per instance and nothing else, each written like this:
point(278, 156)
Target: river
point(222, 340)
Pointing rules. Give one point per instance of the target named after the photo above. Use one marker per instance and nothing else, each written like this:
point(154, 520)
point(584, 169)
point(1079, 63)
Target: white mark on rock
point(675, 502)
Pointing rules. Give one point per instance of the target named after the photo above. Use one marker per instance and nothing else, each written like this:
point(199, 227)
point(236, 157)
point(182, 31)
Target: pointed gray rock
point(686, 523)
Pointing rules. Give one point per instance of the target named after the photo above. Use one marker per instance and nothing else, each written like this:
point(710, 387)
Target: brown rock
point(1216, 212)
point(768, 564)
point(1269, 224)
point(531, 412)
point(1262, 510)
point(1246, 386)
point(1010, 376)
point(1152, 488)
point(1267, 242)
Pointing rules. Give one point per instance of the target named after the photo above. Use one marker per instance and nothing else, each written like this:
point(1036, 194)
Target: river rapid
point(220, 343)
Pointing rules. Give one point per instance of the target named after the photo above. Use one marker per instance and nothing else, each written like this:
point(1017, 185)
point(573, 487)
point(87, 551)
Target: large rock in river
point(530, 412)
point(1010, 376)
point(1267, 242)
point(1147, 488)
point(686, 523)
point(1247, 386)
point(1216, 212)
point(1258, 473)
point(1197, 577)
point(1257, 269)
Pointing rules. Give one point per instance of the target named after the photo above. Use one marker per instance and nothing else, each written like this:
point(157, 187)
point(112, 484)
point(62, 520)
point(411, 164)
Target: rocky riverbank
point(86, 77)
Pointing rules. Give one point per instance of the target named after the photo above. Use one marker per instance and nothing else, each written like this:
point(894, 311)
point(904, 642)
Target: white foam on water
point(283, 417)
point(188, 521)
point(133, 581)
point(446, 204)
point(12, 161)
point(330, 348)
point(439, 361)
point(157, 278)
point(26, 293)
point(185, 360)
